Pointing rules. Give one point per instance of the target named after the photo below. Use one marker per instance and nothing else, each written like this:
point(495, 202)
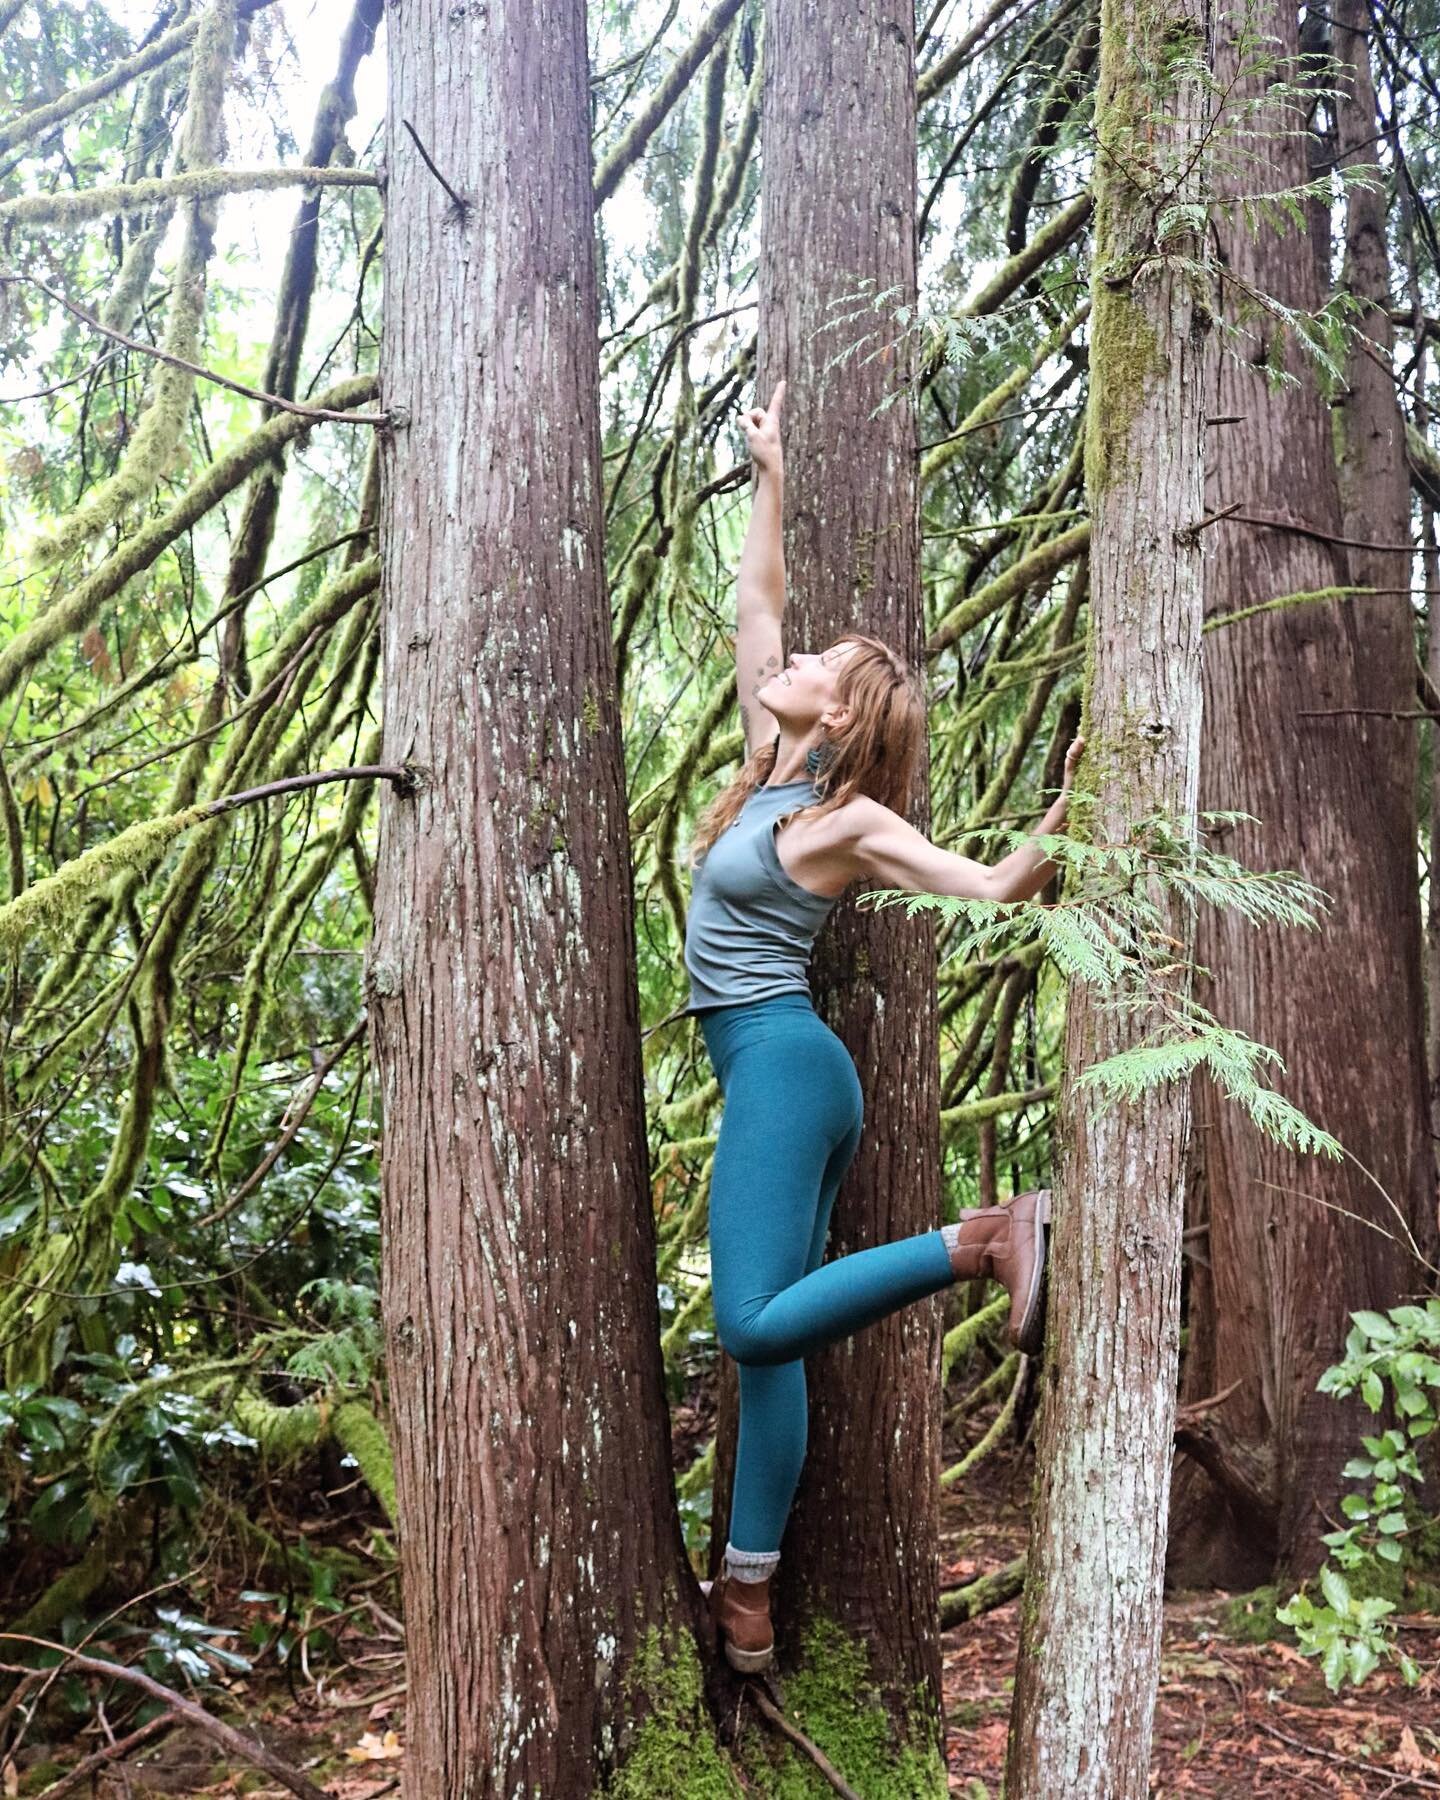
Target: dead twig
point(387, 1619)
point(1354, 1762)
point(462, 206)
point(1197, 1408)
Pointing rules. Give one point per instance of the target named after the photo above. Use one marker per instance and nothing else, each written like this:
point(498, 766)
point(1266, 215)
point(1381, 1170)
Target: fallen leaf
point(375, 1749)
point(1410, 1757)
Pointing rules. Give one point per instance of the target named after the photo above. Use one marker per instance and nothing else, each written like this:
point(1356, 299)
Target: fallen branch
point(959, 1605)
point(192, 1714)
point(116, 1747)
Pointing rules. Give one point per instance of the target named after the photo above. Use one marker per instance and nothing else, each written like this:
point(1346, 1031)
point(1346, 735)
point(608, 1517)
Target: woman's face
point(804, 690)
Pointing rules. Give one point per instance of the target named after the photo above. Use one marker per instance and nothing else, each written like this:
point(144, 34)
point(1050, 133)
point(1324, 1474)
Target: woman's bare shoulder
point(846, 826)
point(859, 814)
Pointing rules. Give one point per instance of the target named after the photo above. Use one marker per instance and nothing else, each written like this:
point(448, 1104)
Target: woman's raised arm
point(760, 598)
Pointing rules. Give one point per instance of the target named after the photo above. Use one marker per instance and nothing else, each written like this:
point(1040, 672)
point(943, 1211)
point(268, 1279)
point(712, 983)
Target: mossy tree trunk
point(838, 210)
point(541, 1547)
point(1303, 729)
point(1090, 1646)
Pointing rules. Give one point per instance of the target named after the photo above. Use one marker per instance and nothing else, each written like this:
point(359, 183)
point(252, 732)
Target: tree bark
point(838, 209)
point(1289, 738)
point(1092, 1614)
point(1375, 496)
point(540, 1543)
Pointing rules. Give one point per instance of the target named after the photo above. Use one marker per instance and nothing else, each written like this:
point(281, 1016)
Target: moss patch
point(831, 1698)
point(40, 1775)
point(1125, 355)
point(674, 1751)
point(1250, 1618)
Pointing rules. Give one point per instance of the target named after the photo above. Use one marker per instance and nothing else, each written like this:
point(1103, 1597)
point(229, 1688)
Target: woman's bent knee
point(746, 1340)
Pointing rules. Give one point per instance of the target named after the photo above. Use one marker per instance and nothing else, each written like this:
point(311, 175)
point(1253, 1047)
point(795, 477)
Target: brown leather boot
point(741, 1612)
point(1007, 1244)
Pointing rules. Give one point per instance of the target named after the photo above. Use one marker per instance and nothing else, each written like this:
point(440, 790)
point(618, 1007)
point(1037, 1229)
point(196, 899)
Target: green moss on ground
point(832, 1700)
point(1250, 1618)
point(40, 1775)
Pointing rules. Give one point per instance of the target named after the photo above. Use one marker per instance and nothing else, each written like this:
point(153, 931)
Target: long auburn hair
point(875, 752)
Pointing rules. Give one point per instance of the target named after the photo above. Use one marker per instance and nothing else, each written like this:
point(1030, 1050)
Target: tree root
point(772, 1712)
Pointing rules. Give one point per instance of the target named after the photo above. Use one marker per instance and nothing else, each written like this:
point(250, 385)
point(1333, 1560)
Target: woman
point(833, 739)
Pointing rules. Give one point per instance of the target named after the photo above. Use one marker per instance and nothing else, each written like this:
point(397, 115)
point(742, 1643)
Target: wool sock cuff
point(750, 1565)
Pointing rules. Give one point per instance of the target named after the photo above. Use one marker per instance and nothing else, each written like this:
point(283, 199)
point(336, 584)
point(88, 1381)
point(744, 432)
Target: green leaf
point(1391, 1523)
point(1373, 1390)
point(1335, 1589)
point(41, 1430)
point(124, 1466)
point(1375, 1326)
point(1389, 1550)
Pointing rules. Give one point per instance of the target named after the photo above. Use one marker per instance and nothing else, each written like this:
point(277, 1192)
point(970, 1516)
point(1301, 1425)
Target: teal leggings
point(791, 1125)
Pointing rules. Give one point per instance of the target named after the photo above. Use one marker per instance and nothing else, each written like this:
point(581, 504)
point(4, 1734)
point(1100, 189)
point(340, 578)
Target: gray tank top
point(750, 926)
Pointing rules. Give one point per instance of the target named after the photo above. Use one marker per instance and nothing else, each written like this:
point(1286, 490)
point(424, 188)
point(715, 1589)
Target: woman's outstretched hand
point(1061, 805)
point(1072, 756)
point(761, 425)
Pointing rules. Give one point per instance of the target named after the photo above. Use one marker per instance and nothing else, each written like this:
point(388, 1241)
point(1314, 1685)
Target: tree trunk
point(838, 209)
point(1296, 733)
point(1092, 1615)
point(541, 1546)
point(1375, 496)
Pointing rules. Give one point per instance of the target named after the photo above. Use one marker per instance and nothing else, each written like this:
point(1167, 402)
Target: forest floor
point(1235, 1717)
